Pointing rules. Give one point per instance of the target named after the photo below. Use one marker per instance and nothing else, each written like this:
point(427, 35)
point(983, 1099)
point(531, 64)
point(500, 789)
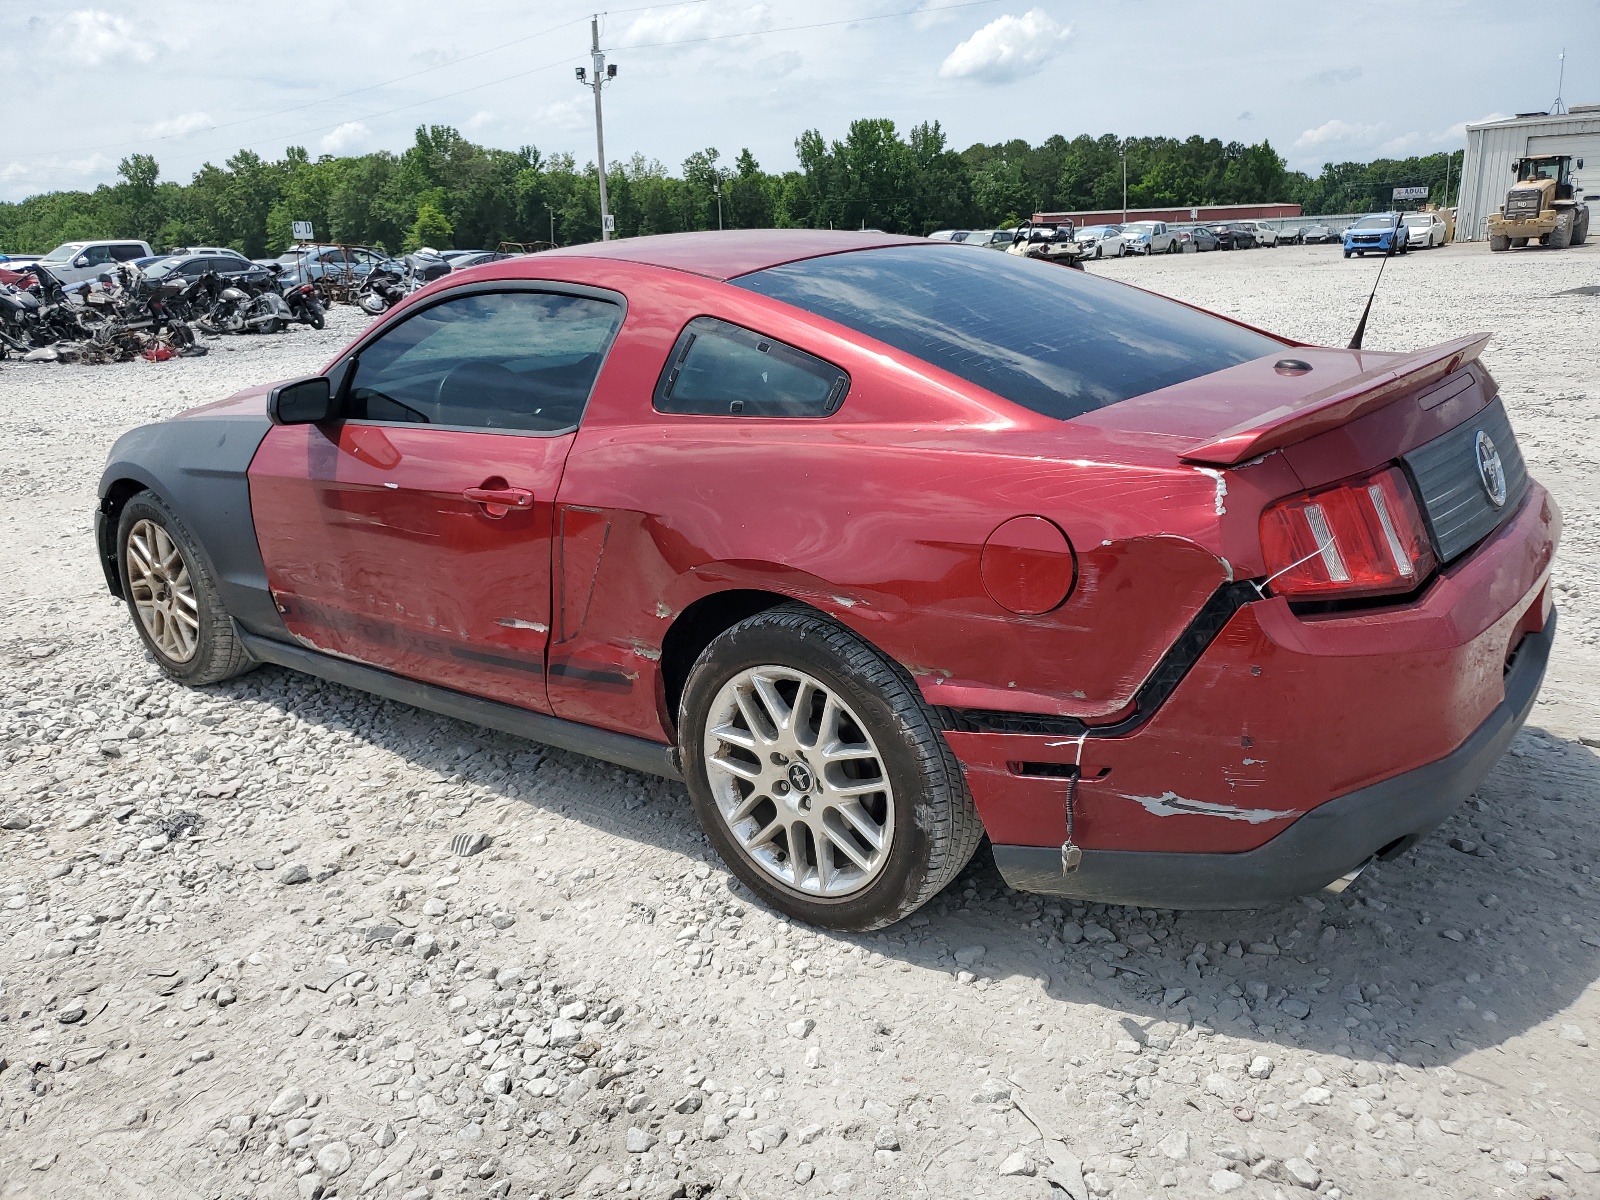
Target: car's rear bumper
point(1325, 844)
point(1281, 719)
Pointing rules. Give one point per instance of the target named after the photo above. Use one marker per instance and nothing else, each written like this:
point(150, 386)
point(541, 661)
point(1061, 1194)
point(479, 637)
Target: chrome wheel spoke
point(798, 781)
point(162, 591)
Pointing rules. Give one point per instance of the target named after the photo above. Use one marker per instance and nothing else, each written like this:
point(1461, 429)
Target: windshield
point(1418, 222)
point(1550, 168)
point(64, 252)
point(161, 268)
point(1374, 223)
point(1097, 231)
point(289, 258)
point(1139, 227)
point(1058, 342)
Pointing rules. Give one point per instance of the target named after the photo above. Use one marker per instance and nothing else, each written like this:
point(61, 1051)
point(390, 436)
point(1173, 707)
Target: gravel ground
point(238, 957)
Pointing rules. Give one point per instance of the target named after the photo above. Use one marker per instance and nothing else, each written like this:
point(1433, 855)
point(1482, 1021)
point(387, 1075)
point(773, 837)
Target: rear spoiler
point(1340, 404)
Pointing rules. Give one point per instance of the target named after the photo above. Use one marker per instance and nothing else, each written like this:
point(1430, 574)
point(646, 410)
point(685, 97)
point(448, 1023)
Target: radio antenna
point(1361, 326)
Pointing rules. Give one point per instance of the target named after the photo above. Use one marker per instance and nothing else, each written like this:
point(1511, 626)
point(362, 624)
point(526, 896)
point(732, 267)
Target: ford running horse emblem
point(1491, 471)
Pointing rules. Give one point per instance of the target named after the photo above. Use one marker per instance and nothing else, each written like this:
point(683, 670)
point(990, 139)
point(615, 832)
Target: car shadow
point(1470, 939)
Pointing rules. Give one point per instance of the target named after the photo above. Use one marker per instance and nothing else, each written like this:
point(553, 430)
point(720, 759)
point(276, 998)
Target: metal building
point(1492, 148)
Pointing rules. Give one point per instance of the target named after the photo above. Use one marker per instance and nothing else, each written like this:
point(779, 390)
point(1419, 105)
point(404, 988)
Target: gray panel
point(199, 465)
point(1455, 502)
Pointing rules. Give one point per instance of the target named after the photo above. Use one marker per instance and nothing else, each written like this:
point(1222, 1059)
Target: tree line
point(445, 191)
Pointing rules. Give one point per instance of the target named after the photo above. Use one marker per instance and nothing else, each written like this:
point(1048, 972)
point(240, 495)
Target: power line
point(572, 58)
point(346, 95)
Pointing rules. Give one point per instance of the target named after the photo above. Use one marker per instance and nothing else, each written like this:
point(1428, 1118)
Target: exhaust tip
point(1345, 880)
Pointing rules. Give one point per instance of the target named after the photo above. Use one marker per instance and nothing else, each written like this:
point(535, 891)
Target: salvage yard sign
point(1412, 193)
point(302, 231)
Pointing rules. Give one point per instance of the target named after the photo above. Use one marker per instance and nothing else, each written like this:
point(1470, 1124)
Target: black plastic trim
point(637, 754)
point(1329, 841)
point(212, 500)
point(1179, 659)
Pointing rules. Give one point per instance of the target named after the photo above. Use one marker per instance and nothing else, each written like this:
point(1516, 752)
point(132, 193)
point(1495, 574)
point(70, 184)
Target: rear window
point(1049, 338)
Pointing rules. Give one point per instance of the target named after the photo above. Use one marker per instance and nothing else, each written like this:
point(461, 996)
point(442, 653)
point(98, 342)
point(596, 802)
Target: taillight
point(1358, 537)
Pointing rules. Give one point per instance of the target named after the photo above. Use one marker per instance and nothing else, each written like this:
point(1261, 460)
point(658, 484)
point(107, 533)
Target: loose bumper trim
point(1327, 842)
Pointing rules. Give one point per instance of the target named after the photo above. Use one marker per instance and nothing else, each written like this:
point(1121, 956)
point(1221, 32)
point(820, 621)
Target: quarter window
point(719, 369)
point(503, 360)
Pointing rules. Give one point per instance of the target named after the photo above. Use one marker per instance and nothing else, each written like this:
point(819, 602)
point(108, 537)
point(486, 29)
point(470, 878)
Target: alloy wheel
point(162, 592)
point(799, 782)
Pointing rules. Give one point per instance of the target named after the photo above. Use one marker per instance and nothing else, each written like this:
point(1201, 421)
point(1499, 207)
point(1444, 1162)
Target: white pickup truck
point(1150, 237)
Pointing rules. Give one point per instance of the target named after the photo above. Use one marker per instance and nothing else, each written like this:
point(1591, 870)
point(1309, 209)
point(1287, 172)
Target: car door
point(414, 534)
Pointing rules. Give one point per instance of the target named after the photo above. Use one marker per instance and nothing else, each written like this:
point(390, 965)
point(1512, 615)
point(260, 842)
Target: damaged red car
point(882, 546)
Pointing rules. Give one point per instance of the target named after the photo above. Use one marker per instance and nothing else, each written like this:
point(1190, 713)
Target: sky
point(191, 81)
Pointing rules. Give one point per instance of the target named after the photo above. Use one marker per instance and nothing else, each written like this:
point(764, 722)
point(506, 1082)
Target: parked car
point(71, 262)
point(1234, 235)
point(13, 261)
point(1316, 233)
point(990, 239)
point(217, 250)
point(1290, 237)
point(310, 263)
point(1151, 237)
point(1375, 232)
point(192, 266)
point(1203, 237)
point(1265, 235)
point(948, 235)
point(1425, 230)
point(1101, 241)
point(529, 506)
point(460, 260)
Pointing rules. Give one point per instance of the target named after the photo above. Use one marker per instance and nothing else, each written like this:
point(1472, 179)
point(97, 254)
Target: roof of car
point(731, 253)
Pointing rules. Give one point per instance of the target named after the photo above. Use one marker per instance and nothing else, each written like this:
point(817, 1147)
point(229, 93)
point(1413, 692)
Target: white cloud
point(479, 120)
point(690, 23)
point(1336, 132)
point(1007, 48)
point(1457, 133)
point(90, 37)
point(345, 138)
point(179, 125)
point(931, 14)
point(775, 66)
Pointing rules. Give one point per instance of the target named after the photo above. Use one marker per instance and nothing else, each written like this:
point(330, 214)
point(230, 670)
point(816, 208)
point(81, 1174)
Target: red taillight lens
point(1359, 537)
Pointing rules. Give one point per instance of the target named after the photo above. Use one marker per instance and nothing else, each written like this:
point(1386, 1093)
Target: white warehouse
point(1492, 148)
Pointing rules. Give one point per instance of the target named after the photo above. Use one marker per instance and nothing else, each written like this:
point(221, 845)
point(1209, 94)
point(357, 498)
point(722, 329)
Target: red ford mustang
point(882, 545)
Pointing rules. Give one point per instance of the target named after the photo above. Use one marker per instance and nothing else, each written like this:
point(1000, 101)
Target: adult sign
point(1412, 193)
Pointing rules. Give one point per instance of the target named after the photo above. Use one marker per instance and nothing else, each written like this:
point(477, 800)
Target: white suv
point(1265, 236)
point(71, 262)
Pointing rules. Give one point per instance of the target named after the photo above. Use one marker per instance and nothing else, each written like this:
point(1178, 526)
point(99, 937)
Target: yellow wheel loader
point(1541, 206)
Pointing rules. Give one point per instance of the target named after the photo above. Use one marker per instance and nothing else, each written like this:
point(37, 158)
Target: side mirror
point(81, 261)
point(302, 402)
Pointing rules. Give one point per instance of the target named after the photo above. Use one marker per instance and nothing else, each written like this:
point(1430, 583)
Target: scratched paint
point(1222, 487)
point(1170, 804)
point(518, 623)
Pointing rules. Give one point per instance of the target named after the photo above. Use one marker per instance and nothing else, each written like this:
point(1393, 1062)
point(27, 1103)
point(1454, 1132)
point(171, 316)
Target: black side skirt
point(1332, 839)
point(638, 754)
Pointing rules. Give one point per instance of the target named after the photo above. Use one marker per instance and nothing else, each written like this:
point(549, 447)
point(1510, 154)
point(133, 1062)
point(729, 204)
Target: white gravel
point(588, 1007)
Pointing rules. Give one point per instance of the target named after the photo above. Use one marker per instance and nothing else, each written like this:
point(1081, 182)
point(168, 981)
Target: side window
point(98, 255)
point(718, 369)
point(503, 360)
point(127, 253)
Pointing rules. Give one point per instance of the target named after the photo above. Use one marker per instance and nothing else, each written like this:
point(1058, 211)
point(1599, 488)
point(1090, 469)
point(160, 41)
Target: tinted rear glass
point(1049, 338)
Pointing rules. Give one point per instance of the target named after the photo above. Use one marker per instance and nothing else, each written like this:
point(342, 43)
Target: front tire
point(172, 596)
point(819, 774)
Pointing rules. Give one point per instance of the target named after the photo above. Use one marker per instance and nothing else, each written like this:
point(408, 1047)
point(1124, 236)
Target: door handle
point(498, 501)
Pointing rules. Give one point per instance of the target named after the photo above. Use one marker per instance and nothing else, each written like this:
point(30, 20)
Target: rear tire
point(923, 819)
point(1580, 231)
point(1498, 243)
point(172, 596)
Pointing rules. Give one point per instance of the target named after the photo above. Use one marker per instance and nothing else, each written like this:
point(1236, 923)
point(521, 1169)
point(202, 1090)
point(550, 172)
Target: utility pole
point(717, 189)
point(1559, 108)
point(551, 209)
point(1123, 146)
point(603, 74)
